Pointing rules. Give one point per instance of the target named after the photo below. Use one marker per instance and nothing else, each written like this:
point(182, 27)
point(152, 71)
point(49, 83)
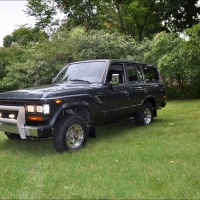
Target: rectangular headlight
point(30, 108)
point(46, 109)
point(39, 109)
point(43, 109)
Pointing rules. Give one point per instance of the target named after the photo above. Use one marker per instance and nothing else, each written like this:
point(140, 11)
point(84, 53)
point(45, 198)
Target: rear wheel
point(145, 116)
point(12, 136)
point(70, 133)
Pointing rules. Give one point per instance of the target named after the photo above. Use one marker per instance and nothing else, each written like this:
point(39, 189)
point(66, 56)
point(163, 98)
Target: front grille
point(12, 103)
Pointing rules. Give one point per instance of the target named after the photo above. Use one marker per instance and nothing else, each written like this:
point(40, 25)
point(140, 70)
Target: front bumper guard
point(17, 126)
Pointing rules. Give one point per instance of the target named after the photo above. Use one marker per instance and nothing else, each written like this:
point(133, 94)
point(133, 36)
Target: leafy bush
point(173, 92)
point(42, 61)
point(37, 63)
point(194, 91)
point(99, 45)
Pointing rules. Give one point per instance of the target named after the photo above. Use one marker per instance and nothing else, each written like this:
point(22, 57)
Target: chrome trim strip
point(8, 121)
point(13, 108)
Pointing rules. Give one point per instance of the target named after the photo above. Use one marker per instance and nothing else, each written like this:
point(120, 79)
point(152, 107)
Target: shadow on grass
point(37, 148)
point(118, 129)
point(45, 148)
point(126, 128)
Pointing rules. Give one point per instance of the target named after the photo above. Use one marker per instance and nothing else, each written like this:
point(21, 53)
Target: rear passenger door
point(154, 84)
point(136, 84)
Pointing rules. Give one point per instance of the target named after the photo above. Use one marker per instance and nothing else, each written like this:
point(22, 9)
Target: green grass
point(161, 161)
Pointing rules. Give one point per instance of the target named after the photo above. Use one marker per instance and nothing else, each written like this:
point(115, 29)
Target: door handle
point(126, 93)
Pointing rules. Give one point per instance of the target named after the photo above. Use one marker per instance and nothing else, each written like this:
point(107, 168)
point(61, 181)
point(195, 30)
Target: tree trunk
point(140, 31)
point(180, 84)
point(120, 17)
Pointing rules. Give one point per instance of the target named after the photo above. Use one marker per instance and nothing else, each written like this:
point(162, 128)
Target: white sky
point(11, 15)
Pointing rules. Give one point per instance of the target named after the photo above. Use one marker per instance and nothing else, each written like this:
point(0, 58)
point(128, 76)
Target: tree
point(100, 44)
point(91, 14)
point(172, 55)
point(44, 12)
point(180, 14)
point(24, 35)
point(131, 17)
point(191, 46)
point(8, 57)
point(138, 18)
point(38, 64)
point(32, 65)
point(7, 40)
point(160, 49)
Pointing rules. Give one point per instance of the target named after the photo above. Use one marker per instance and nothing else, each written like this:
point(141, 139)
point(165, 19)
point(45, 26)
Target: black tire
point(12, 136)
point(145, 116)
point(70, 133)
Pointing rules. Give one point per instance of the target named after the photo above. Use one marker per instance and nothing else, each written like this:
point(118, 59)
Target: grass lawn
point(160, 161)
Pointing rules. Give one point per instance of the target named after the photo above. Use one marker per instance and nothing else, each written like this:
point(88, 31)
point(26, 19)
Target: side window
point(134, 74)
point(150, 74)
point(116, 69)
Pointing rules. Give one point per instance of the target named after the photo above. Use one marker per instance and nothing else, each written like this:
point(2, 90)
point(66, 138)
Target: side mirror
point(115, 79)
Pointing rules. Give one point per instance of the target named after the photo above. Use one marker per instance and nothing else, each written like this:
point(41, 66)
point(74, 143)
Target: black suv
point(83, 94)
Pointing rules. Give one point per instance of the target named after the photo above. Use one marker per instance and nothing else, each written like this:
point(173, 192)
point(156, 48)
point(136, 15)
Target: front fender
point(86, 101)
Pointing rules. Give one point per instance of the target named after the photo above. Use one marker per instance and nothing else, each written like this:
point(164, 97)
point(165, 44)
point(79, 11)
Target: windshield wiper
point(79, 80)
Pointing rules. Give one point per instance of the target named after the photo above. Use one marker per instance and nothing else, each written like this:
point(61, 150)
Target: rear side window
point(150, 74)
point(134, 74)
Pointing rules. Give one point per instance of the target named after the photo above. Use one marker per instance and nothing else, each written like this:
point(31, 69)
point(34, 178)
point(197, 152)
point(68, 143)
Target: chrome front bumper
point(17, 126)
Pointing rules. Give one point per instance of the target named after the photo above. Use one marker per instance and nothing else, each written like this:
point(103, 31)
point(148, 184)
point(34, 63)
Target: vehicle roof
point(107, 60)
point(114, 61)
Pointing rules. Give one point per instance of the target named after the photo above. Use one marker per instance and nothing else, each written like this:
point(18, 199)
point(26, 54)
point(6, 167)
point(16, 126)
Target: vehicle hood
point(46, 91)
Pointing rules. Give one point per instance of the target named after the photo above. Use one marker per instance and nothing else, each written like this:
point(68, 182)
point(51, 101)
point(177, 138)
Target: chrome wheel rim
point(74, 136)
point(147, 116)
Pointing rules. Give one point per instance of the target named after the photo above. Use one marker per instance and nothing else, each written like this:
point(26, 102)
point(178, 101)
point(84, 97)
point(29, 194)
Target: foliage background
point(144, 31)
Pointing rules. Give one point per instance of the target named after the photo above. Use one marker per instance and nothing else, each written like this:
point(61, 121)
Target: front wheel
point(145, 116)
point(70, 133)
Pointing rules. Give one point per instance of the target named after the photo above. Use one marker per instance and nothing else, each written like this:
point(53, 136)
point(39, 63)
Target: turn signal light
point(164, 97)
point(58, 101)
point(35, 118)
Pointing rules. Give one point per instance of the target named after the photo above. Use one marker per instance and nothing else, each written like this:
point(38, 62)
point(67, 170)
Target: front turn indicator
point(35, 118)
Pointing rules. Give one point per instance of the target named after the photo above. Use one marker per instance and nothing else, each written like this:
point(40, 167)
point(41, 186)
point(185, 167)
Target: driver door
point(117, 100)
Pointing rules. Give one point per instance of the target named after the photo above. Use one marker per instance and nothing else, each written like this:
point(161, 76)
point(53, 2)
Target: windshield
point(85, 71)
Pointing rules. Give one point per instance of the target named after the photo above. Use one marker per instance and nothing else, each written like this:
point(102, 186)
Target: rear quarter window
point(150, 74)
point(134, 74)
